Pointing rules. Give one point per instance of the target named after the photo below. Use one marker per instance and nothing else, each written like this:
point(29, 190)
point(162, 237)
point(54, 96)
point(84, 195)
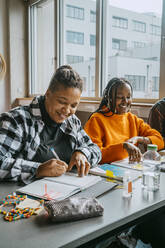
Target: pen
point(54, 153)
point(46, 191)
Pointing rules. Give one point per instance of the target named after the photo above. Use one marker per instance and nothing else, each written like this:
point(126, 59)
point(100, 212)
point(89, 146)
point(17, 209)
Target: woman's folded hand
point(134, 152)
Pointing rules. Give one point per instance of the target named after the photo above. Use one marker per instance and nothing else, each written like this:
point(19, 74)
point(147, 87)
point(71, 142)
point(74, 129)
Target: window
point(138, 44)
point(139, 65)
point(71, 59)
point(84, 84)
point(119, 22)
point(93, 83)
point(139, 26)
point(115, 38)
point(92, 16)
point(138, 82)
point(75, 37)
point(42, 62)
point(74, 34)
point(155, 83)
point(155, 30)
point(119, 44)
point(92, 40)
point(74, 12)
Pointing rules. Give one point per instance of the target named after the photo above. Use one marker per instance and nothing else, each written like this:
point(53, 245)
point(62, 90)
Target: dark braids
point(109, 99)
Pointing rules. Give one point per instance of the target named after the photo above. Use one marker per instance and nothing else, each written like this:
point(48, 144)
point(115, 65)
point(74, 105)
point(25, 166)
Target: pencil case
point(74, 208)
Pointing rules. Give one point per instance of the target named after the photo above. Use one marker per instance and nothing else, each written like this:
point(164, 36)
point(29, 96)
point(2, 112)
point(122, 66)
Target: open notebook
point(59, 188)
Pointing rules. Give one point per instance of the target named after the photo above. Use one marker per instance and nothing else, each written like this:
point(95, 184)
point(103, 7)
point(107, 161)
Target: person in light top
point(115, 129)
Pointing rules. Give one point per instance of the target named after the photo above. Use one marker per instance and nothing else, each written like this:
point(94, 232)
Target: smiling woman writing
point(29, 134)
point(116, 130)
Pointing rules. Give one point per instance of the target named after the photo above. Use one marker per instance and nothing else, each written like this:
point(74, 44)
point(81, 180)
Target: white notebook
point(126, 164)
point(59, 188)
point(138, 166)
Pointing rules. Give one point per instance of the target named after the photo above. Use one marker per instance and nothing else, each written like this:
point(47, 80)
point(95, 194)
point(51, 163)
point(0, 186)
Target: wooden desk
point(118, 212)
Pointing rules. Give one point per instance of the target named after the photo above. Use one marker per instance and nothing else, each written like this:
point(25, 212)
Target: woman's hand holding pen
point(79, 160)
point(52, 168)
point(133, 152)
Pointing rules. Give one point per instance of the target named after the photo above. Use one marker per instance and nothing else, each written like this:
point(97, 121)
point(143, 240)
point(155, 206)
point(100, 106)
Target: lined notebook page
point(74, 179)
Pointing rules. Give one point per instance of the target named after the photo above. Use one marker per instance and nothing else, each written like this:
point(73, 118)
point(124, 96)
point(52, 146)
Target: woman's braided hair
point(109, 95)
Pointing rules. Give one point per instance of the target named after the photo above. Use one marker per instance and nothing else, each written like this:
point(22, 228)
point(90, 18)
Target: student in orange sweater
point(116, 130)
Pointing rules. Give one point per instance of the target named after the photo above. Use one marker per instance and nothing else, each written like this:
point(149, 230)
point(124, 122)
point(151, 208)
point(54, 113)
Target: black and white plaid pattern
point(20, 131)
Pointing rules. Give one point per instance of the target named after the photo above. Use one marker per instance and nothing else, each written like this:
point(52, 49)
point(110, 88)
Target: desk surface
point(36, 232)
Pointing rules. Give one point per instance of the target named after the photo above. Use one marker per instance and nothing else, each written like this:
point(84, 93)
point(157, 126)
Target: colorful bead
point(16, 213)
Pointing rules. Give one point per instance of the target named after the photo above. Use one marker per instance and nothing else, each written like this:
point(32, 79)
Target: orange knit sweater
point(110, 132)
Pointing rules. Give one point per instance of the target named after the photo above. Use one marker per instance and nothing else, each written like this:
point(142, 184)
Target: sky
point(139, 5)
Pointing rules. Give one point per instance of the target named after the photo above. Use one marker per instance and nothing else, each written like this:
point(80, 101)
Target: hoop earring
point(2, 67)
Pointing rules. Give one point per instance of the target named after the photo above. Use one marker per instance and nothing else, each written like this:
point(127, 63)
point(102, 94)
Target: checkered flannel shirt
point(20, 131)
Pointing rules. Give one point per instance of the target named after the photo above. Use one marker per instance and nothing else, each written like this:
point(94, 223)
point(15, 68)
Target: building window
point(138, 44)
point(75, 37)
point(139, 26)
point(119, 22)
point(92, 40)
point(93, 83)
point(138, 82)
point(92, 16)
point(75, 12)
point(78, 42)
point(71, 59)
point(84, 84)
point(119, 44)
point(155, 83)
point(155, 30)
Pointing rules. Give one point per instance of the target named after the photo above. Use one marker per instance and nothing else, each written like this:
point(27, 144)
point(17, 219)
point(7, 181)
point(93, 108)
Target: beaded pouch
point(73, 208)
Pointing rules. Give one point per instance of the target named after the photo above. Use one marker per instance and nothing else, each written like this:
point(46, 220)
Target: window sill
point(85, 105)
point(86, 108)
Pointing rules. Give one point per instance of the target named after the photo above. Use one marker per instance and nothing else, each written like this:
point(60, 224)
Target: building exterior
point(133, 46)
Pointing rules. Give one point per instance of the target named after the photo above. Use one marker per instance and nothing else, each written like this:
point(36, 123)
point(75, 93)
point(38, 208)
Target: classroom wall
point(14, 48)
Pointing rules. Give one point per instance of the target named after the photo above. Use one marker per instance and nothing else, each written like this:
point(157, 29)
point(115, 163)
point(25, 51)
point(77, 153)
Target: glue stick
point(127, 185)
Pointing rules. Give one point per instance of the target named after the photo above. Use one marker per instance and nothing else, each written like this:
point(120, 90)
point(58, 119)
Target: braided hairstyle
point(67, 77)
point(109, 95)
